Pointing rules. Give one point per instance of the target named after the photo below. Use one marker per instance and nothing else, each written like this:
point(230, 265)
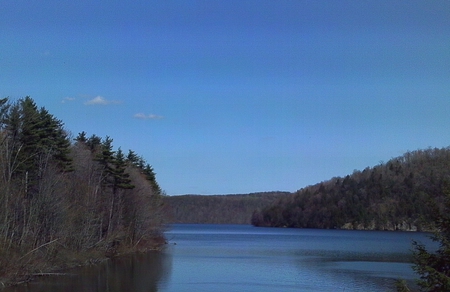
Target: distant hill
point(218, 209)
point(402, 194)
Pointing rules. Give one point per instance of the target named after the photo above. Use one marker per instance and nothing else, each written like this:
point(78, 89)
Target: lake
point(224, 258)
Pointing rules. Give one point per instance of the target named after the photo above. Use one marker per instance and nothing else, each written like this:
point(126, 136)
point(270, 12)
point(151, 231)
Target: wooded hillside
point(219, 209)
point(63, 199)
point(401, 194)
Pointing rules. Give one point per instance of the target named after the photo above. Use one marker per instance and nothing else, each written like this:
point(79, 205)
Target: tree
point(132, 157)
point(54, 141)
point(121, 178)
point(93, 142)
point(151, 177)
point(106, 154)
point(28, 132)
point(59, 199)
point(434, 267)
point(81, 137)
point(4, 106)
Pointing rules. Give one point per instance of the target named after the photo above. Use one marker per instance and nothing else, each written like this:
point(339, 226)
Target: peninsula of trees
point(65, 201)
point(402, 194)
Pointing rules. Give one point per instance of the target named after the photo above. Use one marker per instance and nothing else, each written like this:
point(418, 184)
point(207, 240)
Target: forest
point(69, 201)
point(401, 194)
point(66, 201)
point(217, 209)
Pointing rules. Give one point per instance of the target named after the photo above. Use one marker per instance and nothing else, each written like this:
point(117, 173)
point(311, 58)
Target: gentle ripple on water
point(244, 258)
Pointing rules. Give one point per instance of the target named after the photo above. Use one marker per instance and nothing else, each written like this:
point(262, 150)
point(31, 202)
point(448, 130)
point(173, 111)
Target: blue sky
point(238, 96)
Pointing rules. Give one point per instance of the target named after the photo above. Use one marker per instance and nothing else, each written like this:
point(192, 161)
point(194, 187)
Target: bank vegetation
point(66, 202)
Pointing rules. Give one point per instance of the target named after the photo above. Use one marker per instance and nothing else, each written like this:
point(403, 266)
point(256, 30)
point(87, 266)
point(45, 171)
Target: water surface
point(245, 258)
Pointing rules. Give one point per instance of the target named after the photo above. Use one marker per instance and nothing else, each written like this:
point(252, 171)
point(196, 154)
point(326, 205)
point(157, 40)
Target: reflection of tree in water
point(141, 272)
point(134, 273)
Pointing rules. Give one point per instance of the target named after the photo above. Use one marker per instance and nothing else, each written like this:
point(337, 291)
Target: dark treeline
point(217, 209)
point(64, 200)
point(401, 194)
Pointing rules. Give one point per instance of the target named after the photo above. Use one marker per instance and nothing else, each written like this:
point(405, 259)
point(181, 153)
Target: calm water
point(245, 258)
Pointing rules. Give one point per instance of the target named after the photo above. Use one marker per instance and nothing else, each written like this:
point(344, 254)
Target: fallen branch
point(50, 242)
point(50, 274)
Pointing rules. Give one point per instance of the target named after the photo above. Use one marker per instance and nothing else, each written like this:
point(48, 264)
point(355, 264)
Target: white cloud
point(100, 100)
point(147, 117)
point(140, 116)
point(154, 117)
point(67, 99)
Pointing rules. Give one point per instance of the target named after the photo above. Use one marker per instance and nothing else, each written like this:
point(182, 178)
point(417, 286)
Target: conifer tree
point(81, 137)
point(132, 157)
point(433, 268)
point(120, 176)
point(28, 130)
point(151, 177)
point(54, 141)
point(4, 106)
point(105, 156)
point(94, 142)
point(13, 123)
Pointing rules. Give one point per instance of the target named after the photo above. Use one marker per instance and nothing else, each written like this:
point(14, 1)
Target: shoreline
point(70, 260)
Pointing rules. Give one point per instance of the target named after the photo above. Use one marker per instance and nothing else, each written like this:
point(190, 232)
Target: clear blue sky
point(238, 96)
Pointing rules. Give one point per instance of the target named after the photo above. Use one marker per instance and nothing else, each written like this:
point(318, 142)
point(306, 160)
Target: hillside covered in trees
point(218, 209)
point(64, 202)
point(401, 194)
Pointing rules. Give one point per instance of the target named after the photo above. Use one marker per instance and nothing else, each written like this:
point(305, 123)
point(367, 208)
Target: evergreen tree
point(4, 106)
point(151, 177)
point(81, 137)
point(54, 141)
point(120, 176)
point(105, 157)
point(433, 268)
point(30, 131)
point(13, 123)
point(132, 157)
point(94, 142)
point(11, 143)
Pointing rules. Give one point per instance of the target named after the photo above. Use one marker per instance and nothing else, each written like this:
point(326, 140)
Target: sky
point(237, 96)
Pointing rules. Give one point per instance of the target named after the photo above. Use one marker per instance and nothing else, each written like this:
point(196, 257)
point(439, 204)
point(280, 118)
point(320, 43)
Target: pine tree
point(151, 177)
point(29, 135)
point(132, 157)
point(94, 142)
point(104, 155)
point(120, 176)
point(54, 141)
point(433, 268)
point(13, 123)
point(4, 106)
point(11, 142)
point(81, 137)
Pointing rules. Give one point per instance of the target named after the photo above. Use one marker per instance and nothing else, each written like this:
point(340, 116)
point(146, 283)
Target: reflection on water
point(140, 273)
point(244, 258)
point(223, 258)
